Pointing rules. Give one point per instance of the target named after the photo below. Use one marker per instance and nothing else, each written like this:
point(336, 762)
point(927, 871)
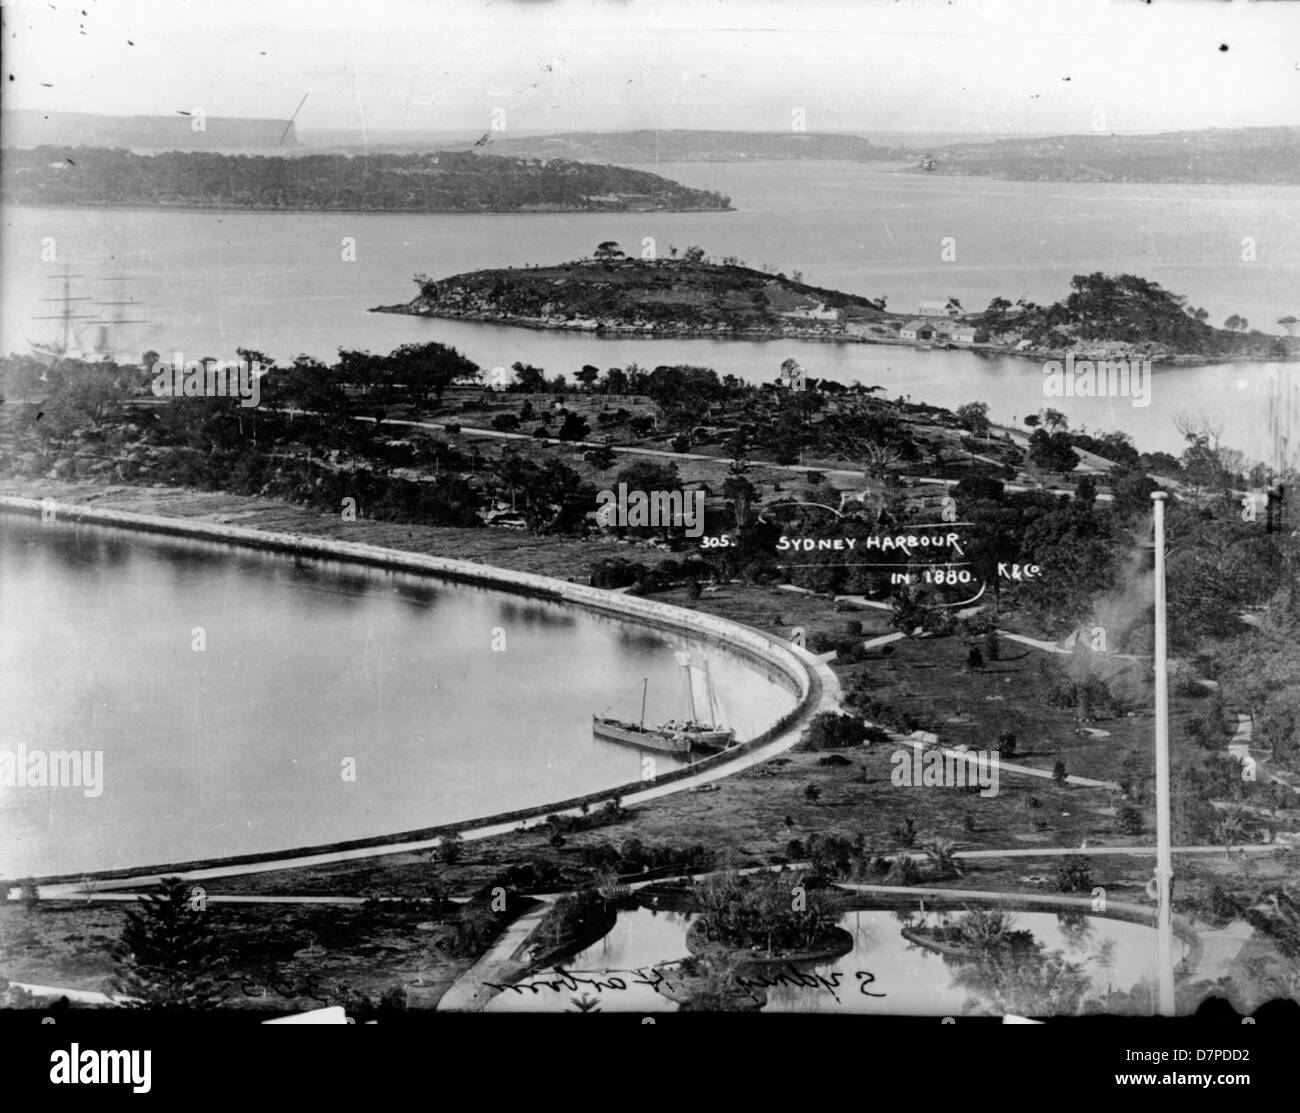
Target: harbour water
point(291, 283)
point(250, 701)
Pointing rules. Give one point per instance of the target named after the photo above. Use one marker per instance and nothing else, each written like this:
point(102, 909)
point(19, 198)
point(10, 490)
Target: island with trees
point(442, 181)
point(688, 293)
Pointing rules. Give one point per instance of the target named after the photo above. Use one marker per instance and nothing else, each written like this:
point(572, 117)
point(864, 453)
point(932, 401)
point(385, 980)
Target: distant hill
point(1224, 155)
point(28, 128)
point(450, 181)
point(695, 146)
point(1215, 155)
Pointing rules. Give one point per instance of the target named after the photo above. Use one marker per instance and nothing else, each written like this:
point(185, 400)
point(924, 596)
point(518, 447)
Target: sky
point(954, 66)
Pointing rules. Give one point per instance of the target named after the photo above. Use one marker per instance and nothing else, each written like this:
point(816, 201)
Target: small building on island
point(817, 311)
point(947, 308)
point(917, 330)
point(969, 334)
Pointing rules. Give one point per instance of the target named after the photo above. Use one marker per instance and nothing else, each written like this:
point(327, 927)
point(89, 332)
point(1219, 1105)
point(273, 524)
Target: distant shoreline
point(188, 208)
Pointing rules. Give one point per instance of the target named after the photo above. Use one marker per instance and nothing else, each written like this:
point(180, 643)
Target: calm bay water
point(910, 980)
point(308, 663)
point(277, 282)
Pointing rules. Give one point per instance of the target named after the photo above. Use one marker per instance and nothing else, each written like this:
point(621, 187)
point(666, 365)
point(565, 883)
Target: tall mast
point(644, 685)
point(690, 691)
point(67, 332)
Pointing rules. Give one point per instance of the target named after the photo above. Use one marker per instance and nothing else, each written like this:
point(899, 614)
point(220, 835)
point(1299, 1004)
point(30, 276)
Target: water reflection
point(1052, 964)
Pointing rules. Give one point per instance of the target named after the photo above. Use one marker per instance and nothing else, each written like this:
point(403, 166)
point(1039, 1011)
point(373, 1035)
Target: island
point(1120, 317)
point(441, 181)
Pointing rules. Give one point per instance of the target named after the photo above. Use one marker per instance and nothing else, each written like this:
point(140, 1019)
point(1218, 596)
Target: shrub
point(1007, 744)
point(939, 622)
point(834, 760)
point(574, 916)
point(1073, 875)
point(450, 848)
point(1062, 694)
point(1094, 698)
point(992, 645)
point(756, 911)
point(1058, 772)
point(905, 832)
point(903, 871)
point(1182, 680)
point(1222, 904)
point(831, 730)
point(812, 793)
point(821, 643)
point(1130, 819)
point(974, 658)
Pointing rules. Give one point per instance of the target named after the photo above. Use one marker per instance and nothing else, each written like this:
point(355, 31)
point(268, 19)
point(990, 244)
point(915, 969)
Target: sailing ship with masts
point(70, 342)
point(689, 734)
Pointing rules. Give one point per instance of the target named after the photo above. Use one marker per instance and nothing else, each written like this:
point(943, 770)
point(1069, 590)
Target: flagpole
point(1164, 863)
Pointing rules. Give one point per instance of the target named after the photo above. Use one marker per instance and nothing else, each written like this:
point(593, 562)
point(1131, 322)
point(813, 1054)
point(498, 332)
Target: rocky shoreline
point(783, 331)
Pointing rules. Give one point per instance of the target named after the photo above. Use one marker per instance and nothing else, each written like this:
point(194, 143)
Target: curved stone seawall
point(814, 684)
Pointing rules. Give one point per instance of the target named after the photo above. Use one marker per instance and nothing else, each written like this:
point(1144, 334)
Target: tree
point(588, 375)
point(1289, 323)
point(943, 854)
point(693, 255)
point(830, 730)
point(1052, 451)
point(608, 251)
point(602, 457)
point(1055, 420)
point(428, 369)
point(450, 849)
point(574, 427)
point(740, 492)
point(528, 379)
point(167, 953)
point(1235, 323)
point(1073, 874)
point(974, 417)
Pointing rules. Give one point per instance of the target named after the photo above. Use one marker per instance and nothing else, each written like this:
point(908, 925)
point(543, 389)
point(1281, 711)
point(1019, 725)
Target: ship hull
point(670, 742)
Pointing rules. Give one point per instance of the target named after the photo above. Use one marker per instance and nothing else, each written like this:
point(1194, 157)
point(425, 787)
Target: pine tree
point(167, 953)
